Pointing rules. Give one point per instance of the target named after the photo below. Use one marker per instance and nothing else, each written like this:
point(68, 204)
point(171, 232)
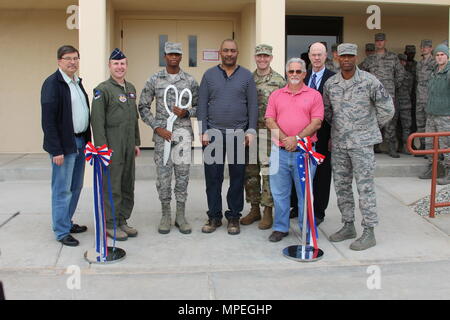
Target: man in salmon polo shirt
point(293, 112)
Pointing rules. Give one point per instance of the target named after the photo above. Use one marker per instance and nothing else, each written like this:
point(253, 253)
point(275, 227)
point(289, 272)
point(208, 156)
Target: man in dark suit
point(65, 122)
point(316, 78)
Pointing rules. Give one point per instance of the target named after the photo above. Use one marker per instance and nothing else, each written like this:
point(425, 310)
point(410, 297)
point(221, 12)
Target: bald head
point(317, 55)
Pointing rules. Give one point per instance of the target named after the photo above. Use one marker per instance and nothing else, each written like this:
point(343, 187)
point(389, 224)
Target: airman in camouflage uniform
point(370, 50)
point(411, 67)
point(387, 68)
point(181, 135)
point(266, 83)
point(114, 122)
point(333, 65)
point(356, 105)
point(425, 68)
point(403, 96)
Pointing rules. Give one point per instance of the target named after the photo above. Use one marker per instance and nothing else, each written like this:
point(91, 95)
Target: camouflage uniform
point(388, 70)
point(411, 67)
point(182, 130)
point(265, 85)
point(425, 68)
point(403, 96)
point(356, 109)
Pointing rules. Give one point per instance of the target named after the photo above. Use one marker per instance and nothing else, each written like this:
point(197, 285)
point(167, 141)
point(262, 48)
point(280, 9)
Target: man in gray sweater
point(227, 112)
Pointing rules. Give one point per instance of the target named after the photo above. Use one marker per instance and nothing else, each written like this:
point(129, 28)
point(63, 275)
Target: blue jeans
point(284, 170)
point(67, 182)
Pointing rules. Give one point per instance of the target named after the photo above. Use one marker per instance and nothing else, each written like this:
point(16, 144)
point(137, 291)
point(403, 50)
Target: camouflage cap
point(370, 47)
point(426, 43)
point(402, 56)
point(380, 36)
point(334, 47)
point(263, 49)
point(410, 48)
point(347, 48)
point(172, 47)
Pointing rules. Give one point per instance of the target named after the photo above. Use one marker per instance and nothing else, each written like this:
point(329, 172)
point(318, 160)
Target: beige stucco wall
point(29, 40)
point(399, 32)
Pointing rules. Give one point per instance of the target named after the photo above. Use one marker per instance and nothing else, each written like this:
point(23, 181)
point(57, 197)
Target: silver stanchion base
point(114, 255)
point(302, 253)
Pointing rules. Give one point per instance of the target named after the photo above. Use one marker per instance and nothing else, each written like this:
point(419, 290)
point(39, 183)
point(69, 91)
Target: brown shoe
point(253, 215)
point(267, 220)
point(233, 226)
point(211, 225)
point(277, 236)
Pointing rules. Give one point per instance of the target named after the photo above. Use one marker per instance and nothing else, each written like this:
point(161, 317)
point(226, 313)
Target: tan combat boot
point(446, 179)
point(253, 215)
point(267, 219)
point(130, 231)
point(120, 235)
point(164, 225)
point(180, 220)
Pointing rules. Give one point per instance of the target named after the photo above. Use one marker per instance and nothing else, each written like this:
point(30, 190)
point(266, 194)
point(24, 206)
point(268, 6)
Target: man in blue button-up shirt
point(65, 122)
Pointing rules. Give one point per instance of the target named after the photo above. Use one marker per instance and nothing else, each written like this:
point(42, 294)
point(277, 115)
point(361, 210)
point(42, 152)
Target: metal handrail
point(435, 151)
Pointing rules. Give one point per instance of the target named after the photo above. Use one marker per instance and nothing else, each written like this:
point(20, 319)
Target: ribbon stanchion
point(100, 158)
point(309, 250)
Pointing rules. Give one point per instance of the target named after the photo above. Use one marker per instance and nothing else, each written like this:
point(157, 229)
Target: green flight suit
point(114, 121)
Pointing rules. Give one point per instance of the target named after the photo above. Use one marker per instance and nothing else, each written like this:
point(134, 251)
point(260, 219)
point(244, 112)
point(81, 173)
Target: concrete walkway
point(412, 257)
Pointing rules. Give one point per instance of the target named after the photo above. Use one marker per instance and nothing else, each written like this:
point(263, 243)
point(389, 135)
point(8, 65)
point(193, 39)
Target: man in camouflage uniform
point(403, 96)
point(333, 65)
point(438, 110)
point(115, 123)
point(356, 105)
point(411, 67)
point(181, 137)
point(267, 81)
point(387, 68)
point(425, 68)
point(370, 50)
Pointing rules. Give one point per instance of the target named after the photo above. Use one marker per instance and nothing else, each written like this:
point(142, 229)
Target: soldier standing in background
point(356, 105)
point(370, 50)
point(115, 123)
point(182, 128)
point(387, 68)
point(438, 110)
point(403, 96)
point(411, 67)
point(425, 68)
point(333, 65)
point(267, 81)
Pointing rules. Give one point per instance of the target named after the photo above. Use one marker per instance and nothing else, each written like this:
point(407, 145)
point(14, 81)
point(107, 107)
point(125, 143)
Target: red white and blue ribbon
point(100, 159)
point(306, 159)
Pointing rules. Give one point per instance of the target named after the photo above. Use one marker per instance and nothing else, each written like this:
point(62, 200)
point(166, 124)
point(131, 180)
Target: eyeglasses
point(70, 59)
point(295, 71)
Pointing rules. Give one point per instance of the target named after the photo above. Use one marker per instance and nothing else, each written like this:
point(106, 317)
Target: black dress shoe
point(78, 229)
point(277, 236)
point(69, 241)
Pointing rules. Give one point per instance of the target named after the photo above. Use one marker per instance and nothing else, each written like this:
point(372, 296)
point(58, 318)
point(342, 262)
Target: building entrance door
point(302, 31)
point(143, 44)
